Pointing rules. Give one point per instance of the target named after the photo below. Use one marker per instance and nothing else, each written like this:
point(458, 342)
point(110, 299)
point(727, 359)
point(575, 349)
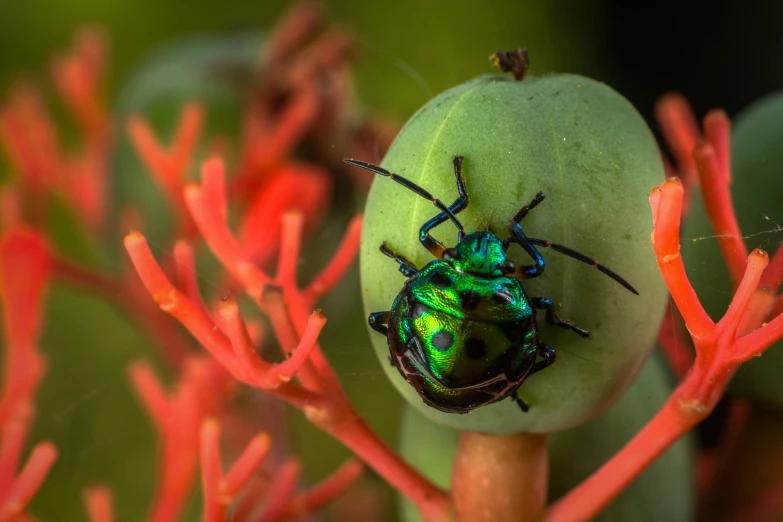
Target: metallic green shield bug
point(462, 331)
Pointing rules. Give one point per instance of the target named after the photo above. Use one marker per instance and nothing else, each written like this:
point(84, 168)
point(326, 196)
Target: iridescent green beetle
point(462, 331)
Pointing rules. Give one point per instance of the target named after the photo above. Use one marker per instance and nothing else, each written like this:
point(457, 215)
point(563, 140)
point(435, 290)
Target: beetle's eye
point(449, 253)
point(509, 266)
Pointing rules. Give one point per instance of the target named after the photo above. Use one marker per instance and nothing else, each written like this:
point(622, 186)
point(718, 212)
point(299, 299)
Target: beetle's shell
point(456, 342)
point(596, 160)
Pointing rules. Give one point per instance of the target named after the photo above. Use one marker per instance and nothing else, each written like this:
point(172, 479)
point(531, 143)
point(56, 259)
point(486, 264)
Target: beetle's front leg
point(378, 322)
point(406, 267)
point(542, 303)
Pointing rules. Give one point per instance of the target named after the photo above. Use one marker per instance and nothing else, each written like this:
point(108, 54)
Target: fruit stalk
point(498, 478)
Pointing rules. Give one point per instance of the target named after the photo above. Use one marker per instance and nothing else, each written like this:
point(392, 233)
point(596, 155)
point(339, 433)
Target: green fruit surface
point(663, 492)
point(591, 153)
point(757, 194)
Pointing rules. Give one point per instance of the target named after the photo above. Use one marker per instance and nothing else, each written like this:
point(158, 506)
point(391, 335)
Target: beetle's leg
point(515, 229)
point(406, 267)
point(518, 236)
point(435, 247)
point(460, 204)
point(522, 404)
point(522, 212)
point(548, 353)
point(526, 271)
point(542, 303)
point(378, 322)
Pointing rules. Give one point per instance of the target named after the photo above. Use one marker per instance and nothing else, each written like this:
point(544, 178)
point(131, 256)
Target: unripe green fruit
point(663, 492)
point(756, 192)
point(593, 156)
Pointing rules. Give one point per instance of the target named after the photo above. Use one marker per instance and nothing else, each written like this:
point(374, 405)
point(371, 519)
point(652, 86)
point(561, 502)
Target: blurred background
point(717, 54)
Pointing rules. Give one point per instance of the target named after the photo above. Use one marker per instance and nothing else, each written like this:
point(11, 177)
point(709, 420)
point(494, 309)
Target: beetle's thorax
point(479, 253)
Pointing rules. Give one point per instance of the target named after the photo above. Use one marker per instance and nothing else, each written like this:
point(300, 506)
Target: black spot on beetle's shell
point(442, 340)
point(469, 299)
point(475, 348)
point(441, 281)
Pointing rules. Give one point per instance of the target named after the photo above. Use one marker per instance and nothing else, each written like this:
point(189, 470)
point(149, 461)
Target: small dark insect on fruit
point(462, 331)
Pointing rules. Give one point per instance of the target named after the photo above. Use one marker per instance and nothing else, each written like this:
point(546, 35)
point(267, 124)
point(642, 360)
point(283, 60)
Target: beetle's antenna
point(410, 186)
point(576, 255)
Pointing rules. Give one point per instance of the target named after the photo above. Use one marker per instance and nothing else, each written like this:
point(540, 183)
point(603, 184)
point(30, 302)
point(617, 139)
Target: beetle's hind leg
point(406, 267)
point(522, 404)
point(542, 303)
point(378, 322)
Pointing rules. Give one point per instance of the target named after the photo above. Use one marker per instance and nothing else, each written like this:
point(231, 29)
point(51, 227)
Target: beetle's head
point(479, 253)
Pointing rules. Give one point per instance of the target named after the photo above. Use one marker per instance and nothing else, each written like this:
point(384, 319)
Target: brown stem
point(516, 62)
point(499, 478)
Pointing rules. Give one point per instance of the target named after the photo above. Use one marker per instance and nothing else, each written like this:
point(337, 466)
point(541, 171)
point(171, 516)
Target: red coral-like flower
point(319, 392)
point(24, 270)
point(720, 347)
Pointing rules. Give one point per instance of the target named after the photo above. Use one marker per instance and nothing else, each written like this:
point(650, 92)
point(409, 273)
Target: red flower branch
point(720, 348)
point(169, 167)
point(23, 278)
point(220, 489)
point(34, 148)
point(281, 502)
point(177, 420)
point(99, 503)
point(78, 77)
point(318, 391)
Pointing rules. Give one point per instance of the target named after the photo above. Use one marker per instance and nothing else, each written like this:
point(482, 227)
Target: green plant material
point(663, 492)
point(593, 156)
point(756, 191)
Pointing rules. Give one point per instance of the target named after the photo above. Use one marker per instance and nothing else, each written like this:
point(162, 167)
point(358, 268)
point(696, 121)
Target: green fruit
point(593, 156)
point(756, 191)
point(663, 492)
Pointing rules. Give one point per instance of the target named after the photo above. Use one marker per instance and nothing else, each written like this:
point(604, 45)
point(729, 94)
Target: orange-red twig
point(220, 490)
point(177, 420)
point(332, 487)
point(240, 473)
point(341, 261)
point(169, 166)
point(674, 344)
point(281, 492)
point(28, 481)
point(720, 348)
point(318, 393)
point(24, 274)
point(681, 133)
point(717, 200)
point(99, 504)
point(78, 75)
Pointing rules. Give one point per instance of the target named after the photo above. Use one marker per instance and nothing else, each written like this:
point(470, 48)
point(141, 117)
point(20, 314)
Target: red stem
point(586, 500)
point(281, 492)
point(717, 200)
point(99, 504)
point(332, 487)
